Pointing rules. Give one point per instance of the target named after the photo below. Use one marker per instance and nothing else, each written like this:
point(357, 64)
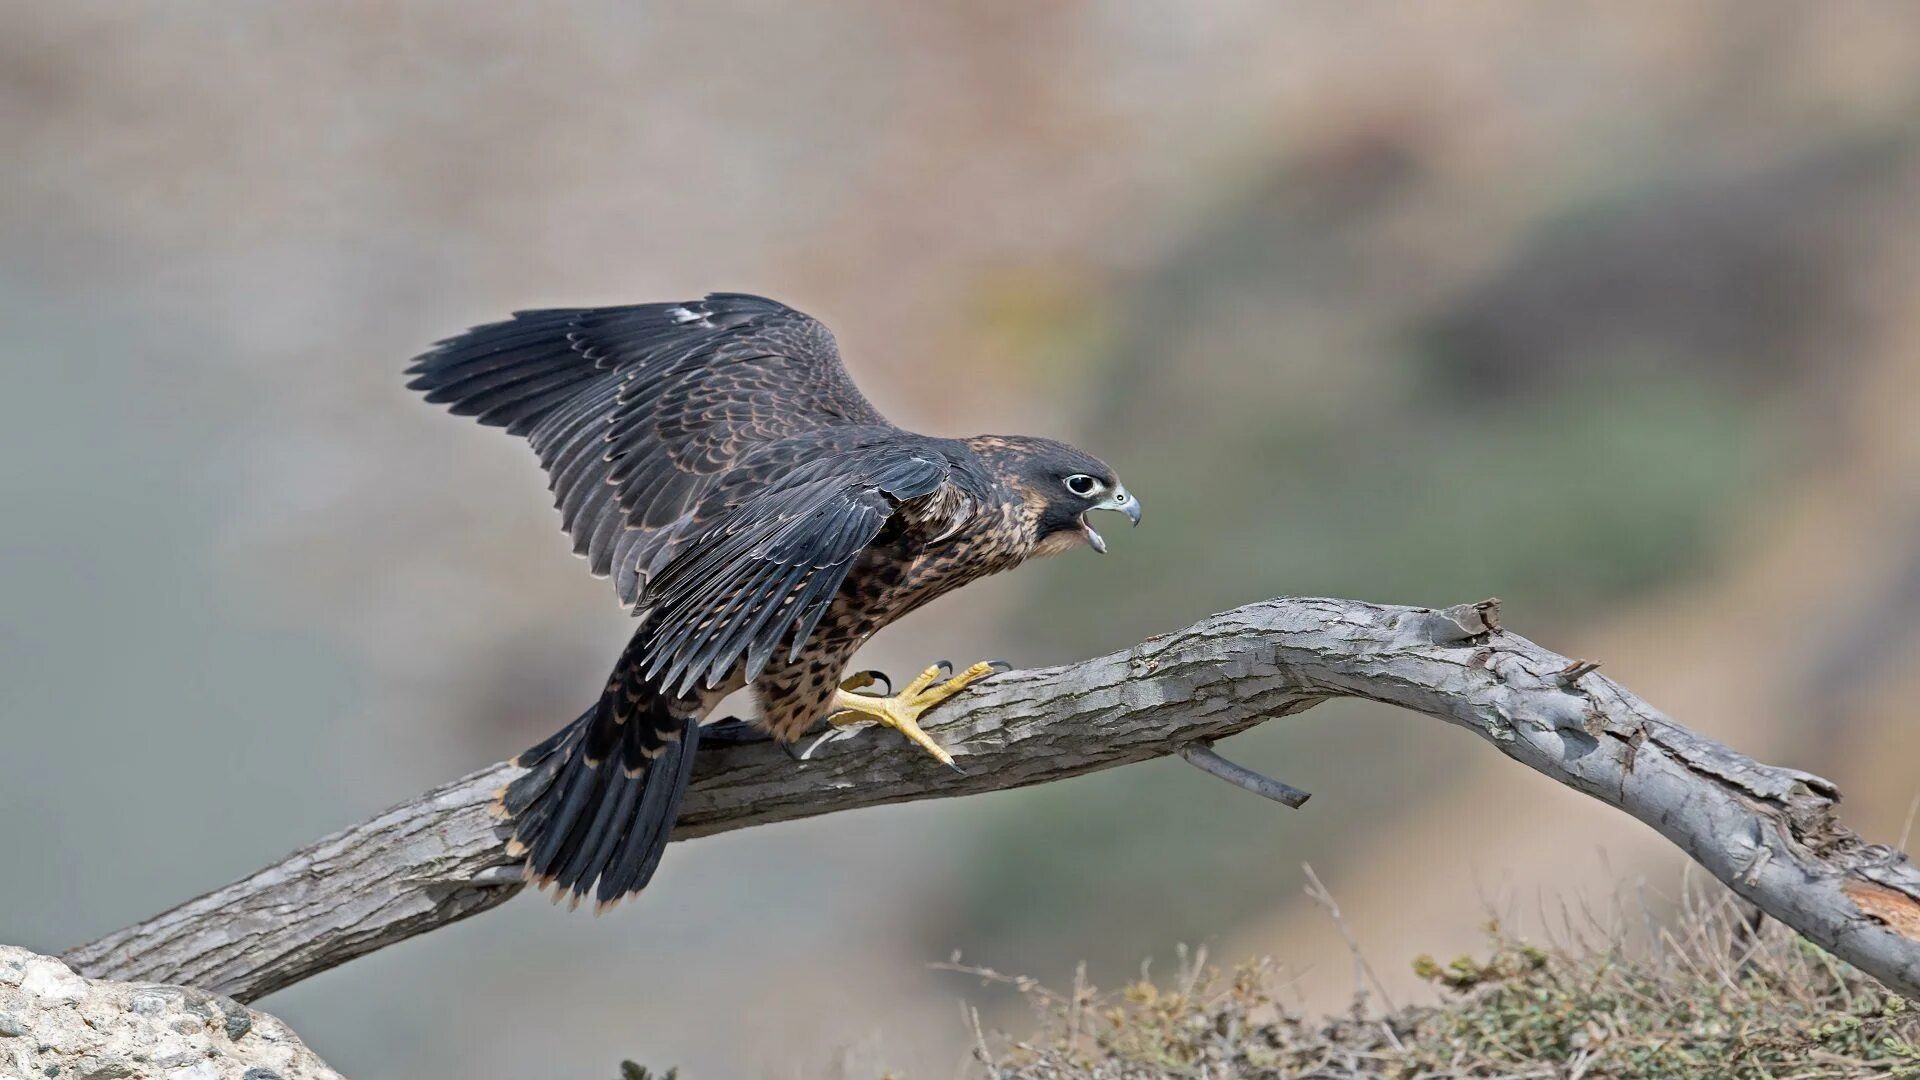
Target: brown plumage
point(764, 520)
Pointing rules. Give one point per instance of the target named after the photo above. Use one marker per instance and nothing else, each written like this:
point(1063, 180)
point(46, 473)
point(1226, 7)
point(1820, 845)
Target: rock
point(53, 1023)
point(51, 982)
point(238, 1020)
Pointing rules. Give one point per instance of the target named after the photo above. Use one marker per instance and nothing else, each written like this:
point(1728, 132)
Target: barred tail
point(599, 798)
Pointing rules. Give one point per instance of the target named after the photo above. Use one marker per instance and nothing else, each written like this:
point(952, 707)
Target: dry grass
point(1712, 995)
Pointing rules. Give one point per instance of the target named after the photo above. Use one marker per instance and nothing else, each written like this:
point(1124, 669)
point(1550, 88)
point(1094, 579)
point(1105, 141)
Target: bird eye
point(1082, 485)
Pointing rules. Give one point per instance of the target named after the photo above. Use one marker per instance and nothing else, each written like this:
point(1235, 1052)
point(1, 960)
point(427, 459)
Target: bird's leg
point(902, 711)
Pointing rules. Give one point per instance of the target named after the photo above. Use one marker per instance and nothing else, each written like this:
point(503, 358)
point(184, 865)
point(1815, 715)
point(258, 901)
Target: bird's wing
point(639, 412)
point(764, 568)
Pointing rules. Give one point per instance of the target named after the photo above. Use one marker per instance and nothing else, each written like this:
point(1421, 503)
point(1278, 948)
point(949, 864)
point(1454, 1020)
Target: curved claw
point(860, 680)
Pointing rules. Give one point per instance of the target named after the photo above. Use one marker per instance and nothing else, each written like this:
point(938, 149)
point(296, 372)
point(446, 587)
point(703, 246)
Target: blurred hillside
point(1607, 311)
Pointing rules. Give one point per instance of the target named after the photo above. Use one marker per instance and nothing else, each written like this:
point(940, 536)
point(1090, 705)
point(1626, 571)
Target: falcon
point(762, 519)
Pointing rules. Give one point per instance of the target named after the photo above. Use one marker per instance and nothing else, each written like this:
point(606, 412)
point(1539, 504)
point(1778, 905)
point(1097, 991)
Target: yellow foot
point(902, 711)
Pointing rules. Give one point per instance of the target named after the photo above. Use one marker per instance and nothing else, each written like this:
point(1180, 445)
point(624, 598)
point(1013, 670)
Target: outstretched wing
point(639, 412)
point(713, 456)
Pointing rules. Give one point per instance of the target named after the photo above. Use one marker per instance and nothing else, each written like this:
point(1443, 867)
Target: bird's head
point(1058, 486)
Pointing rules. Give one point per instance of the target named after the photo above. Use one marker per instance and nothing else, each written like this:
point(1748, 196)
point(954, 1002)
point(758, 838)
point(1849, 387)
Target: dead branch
point(1770, 833)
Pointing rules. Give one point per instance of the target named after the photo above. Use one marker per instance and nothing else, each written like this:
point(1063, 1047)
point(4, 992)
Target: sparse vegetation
point(1713, 996)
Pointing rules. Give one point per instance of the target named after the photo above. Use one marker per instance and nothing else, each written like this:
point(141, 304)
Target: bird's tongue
point(1093, 537)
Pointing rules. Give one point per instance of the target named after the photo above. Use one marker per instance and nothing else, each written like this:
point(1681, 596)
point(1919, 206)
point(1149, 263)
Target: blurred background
point(1610, 310)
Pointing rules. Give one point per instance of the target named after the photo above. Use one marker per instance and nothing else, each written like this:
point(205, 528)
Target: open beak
point(1120, 500)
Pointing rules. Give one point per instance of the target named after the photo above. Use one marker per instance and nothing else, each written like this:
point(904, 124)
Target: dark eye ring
point(1082, 485)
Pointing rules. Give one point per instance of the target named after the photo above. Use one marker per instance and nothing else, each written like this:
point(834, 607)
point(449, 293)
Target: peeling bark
point(1770, 833)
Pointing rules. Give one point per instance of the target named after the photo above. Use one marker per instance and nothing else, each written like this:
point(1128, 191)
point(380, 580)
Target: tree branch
point(1202, 756)
point(1769, 833)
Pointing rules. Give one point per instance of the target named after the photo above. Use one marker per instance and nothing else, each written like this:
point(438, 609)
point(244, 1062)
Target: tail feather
point(650, 830)
point(595, 841)
point(542, 763)
point(582, 781)
point(592, 814)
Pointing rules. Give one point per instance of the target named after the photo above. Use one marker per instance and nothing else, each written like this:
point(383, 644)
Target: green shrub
point(1713, 997)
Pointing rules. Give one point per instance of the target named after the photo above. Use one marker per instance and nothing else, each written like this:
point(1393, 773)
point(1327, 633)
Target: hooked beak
point(1120, 500)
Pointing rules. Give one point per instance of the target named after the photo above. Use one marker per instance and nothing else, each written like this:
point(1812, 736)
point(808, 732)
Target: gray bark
point(1770, 833)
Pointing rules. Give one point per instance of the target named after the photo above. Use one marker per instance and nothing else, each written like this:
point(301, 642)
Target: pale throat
point(1063, 541)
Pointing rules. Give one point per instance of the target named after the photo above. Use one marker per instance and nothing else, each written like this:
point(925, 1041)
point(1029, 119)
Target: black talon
point(946, 668)
point(1000, 666)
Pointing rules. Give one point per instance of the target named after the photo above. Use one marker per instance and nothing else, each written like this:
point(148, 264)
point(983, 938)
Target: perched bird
point(763, 520)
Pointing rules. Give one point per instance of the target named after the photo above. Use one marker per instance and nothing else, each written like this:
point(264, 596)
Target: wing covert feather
point(767, 569)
